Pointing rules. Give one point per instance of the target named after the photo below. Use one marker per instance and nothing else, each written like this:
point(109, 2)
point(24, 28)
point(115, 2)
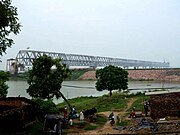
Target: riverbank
point(120, 104)
point(117, 101)
point(169, 75)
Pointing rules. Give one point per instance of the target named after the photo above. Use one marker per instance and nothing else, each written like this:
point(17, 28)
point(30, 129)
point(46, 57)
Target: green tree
point(46, 77)
point(111, 78)
point(8, 24)
point(4, 76)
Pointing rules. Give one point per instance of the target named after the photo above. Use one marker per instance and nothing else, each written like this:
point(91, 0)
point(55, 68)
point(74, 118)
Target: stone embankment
point(144, 74)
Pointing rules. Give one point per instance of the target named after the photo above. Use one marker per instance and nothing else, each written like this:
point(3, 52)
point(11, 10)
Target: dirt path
point(107, 128)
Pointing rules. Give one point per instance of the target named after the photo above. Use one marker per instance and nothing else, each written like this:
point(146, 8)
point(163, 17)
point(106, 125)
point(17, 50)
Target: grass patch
point(35, 128)
point(101, 120)
point(138, 104)
point(76, 73)
point(90, 127)
point(81, 103)
point(123, 123)
point(103, 103)
point(80, 125)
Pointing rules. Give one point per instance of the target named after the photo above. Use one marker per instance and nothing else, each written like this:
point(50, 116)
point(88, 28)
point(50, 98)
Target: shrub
point(45, 107)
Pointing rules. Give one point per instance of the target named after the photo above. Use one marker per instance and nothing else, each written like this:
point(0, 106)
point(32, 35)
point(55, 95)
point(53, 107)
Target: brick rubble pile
point(164, 105)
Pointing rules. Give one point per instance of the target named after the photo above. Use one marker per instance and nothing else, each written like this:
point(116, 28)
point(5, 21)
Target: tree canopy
point(111, 78)
point(46, 77)
point(8, 24)
point(4, 76)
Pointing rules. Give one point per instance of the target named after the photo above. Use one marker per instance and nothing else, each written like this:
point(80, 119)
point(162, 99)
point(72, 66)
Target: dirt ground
point(108, 129)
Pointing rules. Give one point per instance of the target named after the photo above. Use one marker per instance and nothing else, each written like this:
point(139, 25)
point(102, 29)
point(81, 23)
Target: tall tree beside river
point(46, 77)
point(8, 24)
point(111, 78)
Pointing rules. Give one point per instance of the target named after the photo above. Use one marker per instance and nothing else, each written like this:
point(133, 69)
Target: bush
point(45, 107)
point(34, 129)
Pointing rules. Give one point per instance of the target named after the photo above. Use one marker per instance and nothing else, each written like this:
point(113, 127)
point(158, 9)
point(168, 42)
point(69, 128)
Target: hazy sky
point(131, 29)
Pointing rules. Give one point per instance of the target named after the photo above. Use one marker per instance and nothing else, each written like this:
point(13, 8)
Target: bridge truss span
point(25, 59)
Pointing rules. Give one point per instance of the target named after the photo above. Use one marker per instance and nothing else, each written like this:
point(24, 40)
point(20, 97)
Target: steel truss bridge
point(25, 59)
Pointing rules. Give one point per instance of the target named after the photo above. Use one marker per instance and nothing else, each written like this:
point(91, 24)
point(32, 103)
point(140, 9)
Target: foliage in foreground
point(46, 77)
point(45, 107)
point(8, 24)
point(4, 76)
point(34, 129)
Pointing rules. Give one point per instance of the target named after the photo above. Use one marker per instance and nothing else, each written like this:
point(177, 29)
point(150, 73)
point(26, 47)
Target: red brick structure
point(164, 104)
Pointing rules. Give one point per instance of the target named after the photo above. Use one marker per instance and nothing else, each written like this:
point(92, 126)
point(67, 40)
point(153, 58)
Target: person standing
point(81, 117)
point(58, 128)
point(118, 119)
point(65, 112)
point(146, 107)
point(111, 118)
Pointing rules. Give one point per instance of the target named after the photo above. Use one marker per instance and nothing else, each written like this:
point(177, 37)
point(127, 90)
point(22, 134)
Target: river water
point(72, 89)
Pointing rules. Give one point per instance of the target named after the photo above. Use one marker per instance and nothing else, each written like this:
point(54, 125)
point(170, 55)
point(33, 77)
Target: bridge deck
point(26, 57)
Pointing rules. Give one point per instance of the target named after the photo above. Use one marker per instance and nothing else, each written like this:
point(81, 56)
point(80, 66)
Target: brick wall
point(163, 105)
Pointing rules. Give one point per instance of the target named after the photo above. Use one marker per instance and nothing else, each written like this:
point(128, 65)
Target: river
point(72, 89)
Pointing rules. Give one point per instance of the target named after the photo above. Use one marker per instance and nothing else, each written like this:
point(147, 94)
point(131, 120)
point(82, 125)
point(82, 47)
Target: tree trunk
point(110, 92)
point(70, 106)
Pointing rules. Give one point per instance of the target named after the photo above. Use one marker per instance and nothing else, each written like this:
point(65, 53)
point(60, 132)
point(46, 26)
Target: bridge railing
point(26, 57)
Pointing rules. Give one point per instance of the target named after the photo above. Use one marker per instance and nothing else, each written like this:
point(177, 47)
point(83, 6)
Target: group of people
point(146, 107)
point(69, 118)
point(72, 114)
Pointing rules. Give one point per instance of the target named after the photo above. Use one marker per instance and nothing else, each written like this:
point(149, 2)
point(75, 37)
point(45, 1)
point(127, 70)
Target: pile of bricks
point(163, 105)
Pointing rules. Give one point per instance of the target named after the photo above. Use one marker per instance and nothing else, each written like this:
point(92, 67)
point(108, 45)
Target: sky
point(129, 29)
